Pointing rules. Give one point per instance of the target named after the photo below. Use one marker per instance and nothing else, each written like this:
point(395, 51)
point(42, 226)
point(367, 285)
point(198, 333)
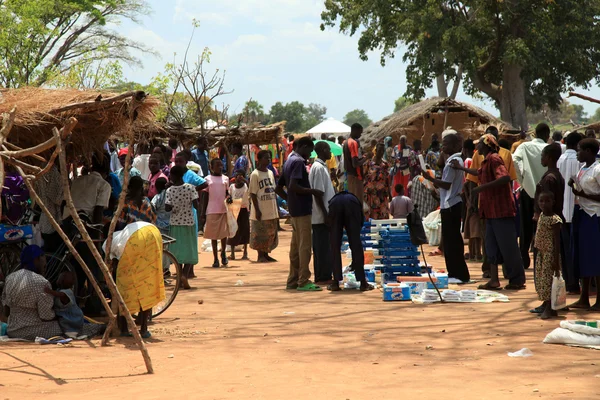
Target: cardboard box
point(396, 293)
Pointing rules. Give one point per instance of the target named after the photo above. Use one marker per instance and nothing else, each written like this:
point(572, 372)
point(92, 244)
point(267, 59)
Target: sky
point(274, 50)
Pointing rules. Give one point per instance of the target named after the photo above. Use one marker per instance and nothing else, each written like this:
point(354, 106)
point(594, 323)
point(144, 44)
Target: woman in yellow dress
point(138, 250)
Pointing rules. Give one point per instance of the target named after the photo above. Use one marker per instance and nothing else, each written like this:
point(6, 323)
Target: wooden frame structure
point(17, 157)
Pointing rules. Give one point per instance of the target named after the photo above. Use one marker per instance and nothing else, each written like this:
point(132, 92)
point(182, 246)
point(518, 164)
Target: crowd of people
point(504, 199)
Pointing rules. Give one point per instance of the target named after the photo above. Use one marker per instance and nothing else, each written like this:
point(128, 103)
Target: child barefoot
point(215, 211)
point(547, 242)
point(70, 316)
point(239, 190)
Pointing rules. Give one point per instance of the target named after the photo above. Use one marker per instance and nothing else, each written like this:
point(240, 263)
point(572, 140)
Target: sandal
point(512, 286)
point(435, 253)
point(537, 310)
point(146, 335)
point(309, 287)
point(334, 287)
point(487, 286)
point(366, 288)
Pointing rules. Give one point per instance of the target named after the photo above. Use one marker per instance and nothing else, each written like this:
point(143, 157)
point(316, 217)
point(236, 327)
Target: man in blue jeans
point(299, 197)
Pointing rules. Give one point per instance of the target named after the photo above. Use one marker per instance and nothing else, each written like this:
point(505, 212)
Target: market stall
point(40, 126)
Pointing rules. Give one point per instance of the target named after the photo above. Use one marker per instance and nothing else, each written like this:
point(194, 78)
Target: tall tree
point(596, 116)
point(357, 116)
point(253, 113)
point(402, 102)
point(565, 114)
point(513, 51)
point(42, 38)
point(294, 113)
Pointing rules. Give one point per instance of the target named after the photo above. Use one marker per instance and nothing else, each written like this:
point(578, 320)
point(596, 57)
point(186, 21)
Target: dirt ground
point(258, 341)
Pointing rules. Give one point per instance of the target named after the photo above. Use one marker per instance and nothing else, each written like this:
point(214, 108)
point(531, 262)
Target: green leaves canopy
point(527, 51)
point(40, 39)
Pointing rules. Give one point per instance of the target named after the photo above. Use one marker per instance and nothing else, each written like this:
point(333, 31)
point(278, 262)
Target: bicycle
point(13, 237)
point(172, 271)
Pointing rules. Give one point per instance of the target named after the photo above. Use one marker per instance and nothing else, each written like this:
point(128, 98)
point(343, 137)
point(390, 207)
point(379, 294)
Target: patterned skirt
point(263, 235)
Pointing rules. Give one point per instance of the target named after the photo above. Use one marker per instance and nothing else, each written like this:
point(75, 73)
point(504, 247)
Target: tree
point(512, 51)
point(357, 116)
point(254, 113)
point(294, 113)
point(595, 117)
point(565, 114)
point(402, 102)
point(41, 39)
point(89, 74)
point(299, 117)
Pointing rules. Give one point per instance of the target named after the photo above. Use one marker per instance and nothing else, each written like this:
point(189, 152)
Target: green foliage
point(595, 117)
point(43, 39)
point(358, 116)
point(548, 44)
point(299, 117)
point(254, 113)
point(565, 114)
point(402, 102)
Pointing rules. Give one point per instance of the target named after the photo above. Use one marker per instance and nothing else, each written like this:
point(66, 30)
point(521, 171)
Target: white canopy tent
point(330, 126)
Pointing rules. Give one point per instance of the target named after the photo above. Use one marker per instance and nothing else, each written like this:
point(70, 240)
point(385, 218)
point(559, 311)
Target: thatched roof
point(394, 124)
point(99, 114)
point(258, 135)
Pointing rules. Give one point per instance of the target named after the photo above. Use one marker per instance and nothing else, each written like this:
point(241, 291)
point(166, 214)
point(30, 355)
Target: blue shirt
point(451, 197)
point(299, 205)
point(193, 178)
point(115, 185)
point(201, 157)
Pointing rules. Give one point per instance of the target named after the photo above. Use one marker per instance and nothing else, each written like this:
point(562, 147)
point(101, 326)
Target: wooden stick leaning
point(65, 238)
point(105, 271)
point(113, 223)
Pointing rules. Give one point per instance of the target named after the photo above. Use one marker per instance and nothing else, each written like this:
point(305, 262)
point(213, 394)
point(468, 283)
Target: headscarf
point(490, 141)
point(449, 131)
point(29, 255)
point(387, 141)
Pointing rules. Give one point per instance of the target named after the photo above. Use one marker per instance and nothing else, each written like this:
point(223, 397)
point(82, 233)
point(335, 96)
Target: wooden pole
point(105, 271)
point(573, 94)
point(68, 243)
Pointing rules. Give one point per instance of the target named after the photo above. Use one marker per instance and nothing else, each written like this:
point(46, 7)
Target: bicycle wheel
point(10, 259)
point(55, 266)
point(172, 272)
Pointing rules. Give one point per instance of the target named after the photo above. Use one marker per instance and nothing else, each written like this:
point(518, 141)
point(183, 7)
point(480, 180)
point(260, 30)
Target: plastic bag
point(231, 221)
point(559, 293)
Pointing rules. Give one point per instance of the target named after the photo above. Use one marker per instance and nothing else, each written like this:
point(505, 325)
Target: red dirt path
point(258, 341)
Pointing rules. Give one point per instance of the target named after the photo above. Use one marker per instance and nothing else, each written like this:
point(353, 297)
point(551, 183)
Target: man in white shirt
point(320, 179)
point(557, 137)
point(569, 167)
point(529, 172)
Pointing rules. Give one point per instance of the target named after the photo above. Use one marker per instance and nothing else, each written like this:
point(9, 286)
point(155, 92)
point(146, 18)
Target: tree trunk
point(442, 86)
point(512, 100)
point(457, 80)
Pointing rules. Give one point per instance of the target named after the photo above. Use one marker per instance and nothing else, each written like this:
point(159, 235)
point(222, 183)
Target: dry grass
point(40, 110)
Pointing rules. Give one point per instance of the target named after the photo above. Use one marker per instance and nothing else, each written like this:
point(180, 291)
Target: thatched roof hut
point(258, 135)
point(432, 116)
point(99, 115)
